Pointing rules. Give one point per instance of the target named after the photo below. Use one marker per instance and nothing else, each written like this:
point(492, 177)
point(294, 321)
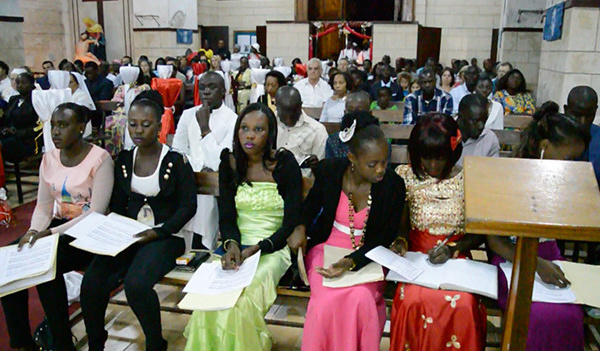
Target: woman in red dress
point(423, 318)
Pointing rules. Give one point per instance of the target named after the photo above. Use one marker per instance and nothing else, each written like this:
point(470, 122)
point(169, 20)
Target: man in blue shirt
point(427, 99)
point(582, 104)
point(99, 87)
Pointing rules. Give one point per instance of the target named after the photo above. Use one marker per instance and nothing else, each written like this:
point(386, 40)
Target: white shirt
point(496, 116)
point(148, 185)
point(350, 54)
point(486, 145)
point(457, 94)
point(314, 96)
point(307, 137)
point(205, 152)
point(333, 110)
point(6, 90)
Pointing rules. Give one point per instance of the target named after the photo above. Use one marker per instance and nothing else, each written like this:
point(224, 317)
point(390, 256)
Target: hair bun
point(151, 95)
point(363, 119)
point(547, 108)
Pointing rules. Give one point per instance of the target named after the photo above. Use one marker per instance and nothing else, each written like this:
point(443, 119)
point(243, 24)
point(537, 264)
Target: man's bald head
point(289, 105)
point(582, 103)
point(359, 101)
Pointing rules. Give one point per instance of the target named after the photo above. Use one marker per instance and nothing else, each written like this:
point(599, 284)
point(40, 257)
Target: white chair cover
point(254, 63)
point(257, 77)
point(278, 61)
point(44, 103)
point(17, 71)
point(235, 61)
point(228, 100)
point(87, 101)
point(286, 71)
point(59, 79)
point(129, 74)
point(164, 71)
point(226, 66)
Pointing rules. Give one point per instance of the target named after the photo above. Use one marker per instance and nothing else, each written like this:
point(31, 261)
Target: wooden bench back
point(400, 105)
point(397, 131)
point(314, 112)
point(387, 116)
point(517, 121)
point(510, 138)
point(399, 155)
point(107, 105)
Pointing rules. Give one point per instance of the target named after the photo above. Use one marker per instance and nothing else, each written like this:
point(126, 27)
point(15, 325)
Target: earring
point(542, 154)
point(352, 167)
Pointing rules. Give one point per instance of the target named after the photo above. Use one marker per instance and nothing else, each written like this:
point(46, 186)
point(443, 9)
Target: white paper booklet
point(368, 274)
point(201, 302)
point(29, 267)
point(583, 289)
point(394, 262)
point(105, 235)
point(456, 274)
point(212, 279)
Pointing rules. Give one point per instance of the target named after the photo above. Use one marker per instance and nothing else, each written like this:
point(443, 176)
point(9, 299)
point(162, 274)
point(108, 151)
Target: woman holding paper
point(259, 206)
point(552, 326)
point(423, 318)
point(355, 202)
point(76, 179)
point(157, 187)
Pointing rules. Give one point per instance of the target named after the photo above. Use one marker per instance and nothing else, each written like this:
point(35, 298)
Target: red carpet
point(22, 216)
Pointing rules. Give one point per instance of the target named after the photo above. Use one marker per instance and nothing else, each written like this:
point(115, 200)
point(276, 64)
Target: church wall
point(11, 40)
point(288, 40)
point(523, 50)
point(394, 39)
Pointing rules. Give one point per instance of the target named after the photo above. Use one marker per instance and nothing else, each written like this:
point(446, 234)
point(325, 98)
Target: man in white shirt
point(300, 134)
point(476, 139)
point(484, 88)
point(6, 90)
point(314, 90)
point(202, 133)
point(468, 87)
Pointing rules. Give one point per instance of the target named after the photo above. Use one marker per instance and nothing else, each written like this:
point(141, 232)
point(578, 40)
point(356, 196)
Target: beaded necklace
point(351, 220)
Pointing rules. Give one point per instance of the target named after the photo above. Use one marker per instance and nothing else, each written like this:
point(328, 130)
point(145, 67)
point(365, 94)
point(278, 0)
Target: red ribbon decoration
point(333, 28)
point(198, 69)
point(455, 140)
point(169, 89)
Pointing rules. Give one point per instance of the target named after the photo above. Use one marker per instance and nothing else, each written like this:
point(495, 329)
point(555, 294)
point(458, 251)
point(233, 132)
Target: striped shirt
point(416, 106)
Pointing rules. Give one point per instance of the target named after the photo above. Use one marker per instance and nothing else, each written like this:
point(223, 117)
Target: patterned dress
point(428, 319)
point(517, 104)
point(260, 213)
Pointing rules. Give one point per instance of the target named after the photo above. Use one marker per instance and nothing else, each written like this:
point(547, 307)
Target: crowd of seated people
point(267, 150)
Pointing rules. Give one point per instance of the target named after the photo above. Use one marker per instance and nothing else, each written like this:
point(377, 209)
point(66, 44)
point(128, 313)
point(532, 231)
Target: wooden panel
point(329, 46)
point(517, 121)
point(508, 137)
point(301, 11)
point(328, 10)
point(331, 127)
point(494, 48)
point(387, 116)
point(397, 131)
point(208, 183)
point(399, 155)
point(314, 112)
point(213, 34)
point(531, 198)
point(261, 39)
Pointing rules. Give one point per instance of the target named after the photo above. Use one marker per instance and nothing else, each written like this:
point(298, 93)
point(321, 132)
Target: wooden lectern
point(529, 199)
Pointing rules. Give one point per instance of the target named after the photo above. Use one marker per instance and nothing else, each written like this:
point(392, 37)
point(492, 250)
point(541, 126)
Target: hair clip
point(348, 133)
point(455, 140)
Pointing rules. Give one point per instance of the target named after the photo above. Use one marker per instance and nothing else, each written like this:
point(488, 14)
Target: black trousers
point(53, 296)
point(140, 267)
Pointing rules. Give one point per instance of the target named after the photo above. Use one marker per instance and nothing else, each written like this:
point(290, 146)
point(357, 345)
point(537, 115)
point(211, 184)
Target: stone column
point(575, 58)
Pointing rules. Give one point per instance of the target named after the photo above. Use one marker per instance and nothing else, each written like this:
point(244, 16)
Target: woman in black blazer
point(357, 202)
point(155, 186)
point(273, 81)
point(20, 132)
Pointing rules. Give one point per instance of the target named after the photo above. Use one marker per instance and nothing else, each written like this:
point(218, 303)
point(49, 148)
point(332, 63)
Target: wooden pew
point(331, 127)
point(399, 155)
point(397, 131)
point(510, 138)
point(519, 122)
point(314, 112)
point(400, 105)
point(387, 116)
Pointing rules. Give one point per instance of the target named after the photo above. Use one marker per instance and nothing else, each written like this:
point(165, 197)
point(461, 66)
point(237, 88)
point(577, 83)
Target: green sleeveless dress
point(241, 328)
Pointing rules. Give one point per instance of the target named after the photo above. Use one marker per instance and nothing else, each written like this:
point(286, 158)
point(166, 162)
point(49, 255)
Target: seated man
point(582, 103)
point(468, 87)
point(314, 91)
point(427, 99)
point(202, 133)
point(304, 136)
point(358, 101)
point(386, 81)
point(477, 140)
point(99, 87)
point(43, 81)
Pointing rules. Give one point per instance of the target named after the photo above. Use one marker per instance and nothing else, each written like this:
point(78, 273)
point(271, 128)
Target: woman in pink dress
point(355, 202)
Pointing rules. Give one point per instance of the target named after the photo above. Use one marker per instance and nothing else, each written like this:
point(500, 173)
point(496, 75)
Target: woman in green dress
point(259, 206)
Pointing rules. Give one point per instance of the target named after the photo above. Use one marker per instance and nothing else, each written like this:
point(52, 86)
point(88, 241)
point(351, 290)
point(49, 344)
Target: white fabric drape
point(59, 79)
point(286, 71)
point(44, 103)
point(164, 71)
point(254, 63)
point(257, 77)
